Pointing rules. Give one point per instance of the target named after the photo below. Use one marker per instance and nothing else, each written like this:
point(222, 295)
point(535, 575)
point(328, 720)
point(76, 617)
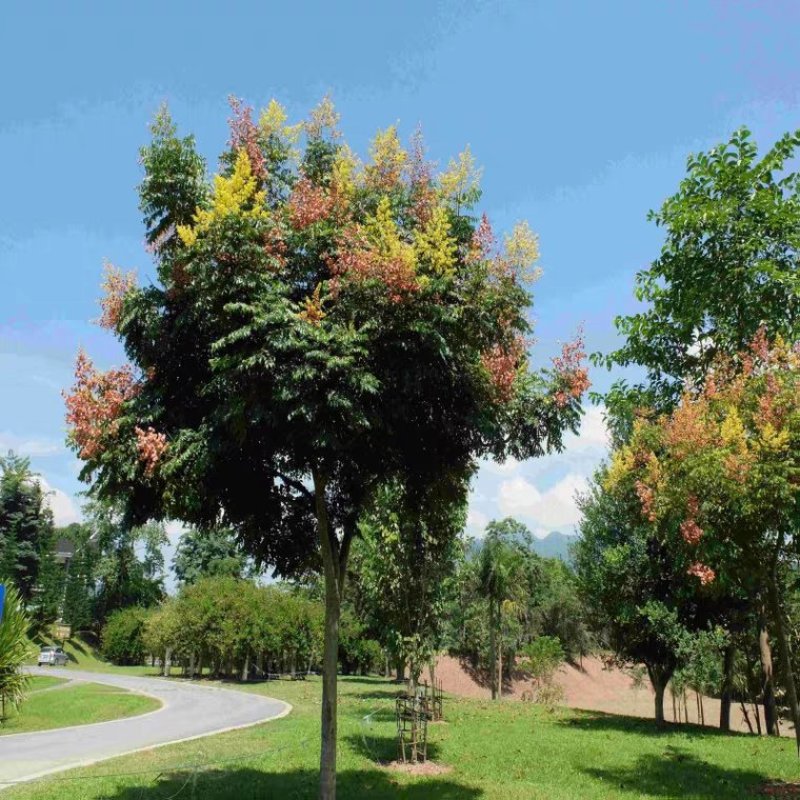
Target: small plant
point(14, 651)
point(541, 659)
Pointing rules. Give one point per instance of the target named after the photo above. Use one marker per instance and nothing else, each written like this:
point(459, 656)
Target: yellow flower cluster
point(382, 233)
point(344, 172)
point(234, 195)
point(388, 159)
point(460, 182)
point(522, 251)
point(434, 244)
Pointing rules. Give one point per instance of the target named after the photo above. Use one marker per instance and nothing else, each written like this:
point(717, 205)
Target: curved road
point(188, 711)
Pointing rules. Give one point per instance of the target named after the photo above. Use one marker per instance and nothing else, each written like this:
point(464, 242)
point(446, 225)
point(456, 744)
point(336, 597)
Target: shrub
point(122, 639)
point(15, 649)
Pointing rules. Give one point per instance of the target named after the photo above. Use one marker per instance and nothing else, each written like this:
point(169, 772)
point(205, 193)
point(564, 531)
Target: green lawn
point(84, 656)
point(78, 704)
point(39, 682)
point(499, 752)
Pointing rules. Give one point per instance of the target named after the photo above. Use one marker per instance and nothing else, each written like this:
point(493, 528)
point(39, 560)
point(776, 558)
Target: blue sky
point(581, 115)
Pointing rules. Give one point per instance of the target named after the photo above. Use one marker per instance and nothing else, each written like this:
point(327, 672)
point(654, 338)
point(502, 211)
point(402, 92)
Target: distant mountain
point(554, 545)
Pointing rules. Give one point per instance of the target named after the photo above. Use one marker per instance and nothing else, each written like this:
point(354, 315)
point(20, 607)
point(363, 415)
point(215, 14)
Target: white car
point(54, 656)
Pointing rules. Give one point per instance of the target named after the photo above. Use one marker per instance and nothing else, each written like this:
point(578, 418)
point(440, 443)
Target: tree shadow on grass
point(678, 773)
point(250, 784)
point(598, 721)
point(383, 749)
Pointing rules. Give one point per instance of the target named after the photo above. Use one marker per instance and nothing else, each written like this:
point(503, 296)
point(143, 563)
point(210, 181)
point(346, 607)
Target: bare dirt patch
point(593, 686)
point(424, 768)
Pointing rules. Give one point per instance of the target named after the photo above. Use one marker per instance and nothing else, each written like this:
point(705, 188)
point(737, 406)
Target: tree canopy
point(729, 265)
point(319, 326)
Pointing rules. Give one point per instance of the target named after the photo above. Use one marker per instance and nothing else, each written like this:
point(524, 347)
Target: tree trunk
point(768, 692)
point(746, 716)
point(167, 662)
point(493, 650)
point(727, 689)
point(246, 667)
point(500, 670)
point(334, 562)
point(327, 764)
point(659, 700)
point(400, 670)
point(785, 653)
point(659, 679)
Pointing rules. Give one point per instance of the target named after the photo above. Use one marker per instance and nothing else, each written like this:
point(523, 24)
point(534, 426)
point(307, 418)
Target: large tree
point(203, 553)
point(729, 264)
point(317, 328)
point(726, 464)
point(26, 532)
point(507, 575)
point(636, 588)
point(129, 566)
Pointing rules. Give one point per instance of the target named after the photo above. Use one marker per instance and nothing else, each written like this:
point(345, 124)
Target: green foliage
point(130, 564)
point(638, 593)
point(27, 539)
point(358, 653)
point(234, 627)
point(560, 613)
point(403, 572)
point(729, 264)
point(122, 638)
point(174, 182)
point(79, 593)
point(531, 596)
point(15, 649)
point(207, 554)
point(542, 657)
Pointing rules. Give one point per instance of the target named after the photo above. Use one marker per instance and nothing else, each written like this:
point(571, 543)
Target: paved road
point(188, 711)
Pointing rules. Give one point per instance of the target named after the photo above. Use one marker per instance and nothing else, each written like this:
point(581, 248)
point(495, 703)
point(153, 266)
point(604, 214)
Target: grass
point(79, 704)
point(510, 751)
point(39, 682)
point(84, 656)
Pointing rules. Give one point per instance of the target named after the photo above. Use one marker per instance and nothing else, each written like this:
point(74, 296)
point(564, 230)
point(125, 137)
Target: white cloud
point(593, 434)
point(509, 466)
point(30, 446)
point(476, 521)
point(174, 530)
point(554, 508)
point(60, 503)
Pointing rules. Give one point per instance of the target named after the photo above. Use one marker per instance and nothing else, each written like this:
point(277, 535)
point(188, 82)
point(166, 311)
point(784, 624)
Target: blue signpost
point(2, 600)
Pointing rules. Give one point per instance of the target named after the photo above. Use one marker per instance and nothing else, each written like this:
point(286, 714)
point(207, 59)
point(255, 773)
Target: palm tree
point(502, 580)
point(14, 650)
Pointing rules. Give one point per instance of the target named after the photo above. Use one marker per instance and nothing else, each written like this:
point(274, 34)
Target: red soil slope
point(596, 688)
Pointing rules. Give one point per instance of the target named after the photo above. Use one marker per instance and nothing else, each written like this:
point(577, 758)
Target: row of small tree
point(233, 628)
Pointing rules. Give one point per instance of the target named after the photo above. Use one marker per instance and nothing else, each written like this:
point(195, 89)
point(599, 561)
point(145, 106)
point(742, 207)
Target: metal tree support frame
point(435, 701)
point(412, 728)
